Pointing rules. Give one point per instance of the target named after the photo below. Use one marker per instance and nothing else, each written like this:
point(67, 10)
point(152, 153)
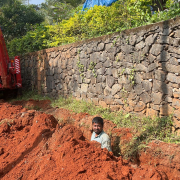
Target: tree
point(55, 11)
point(16, 18)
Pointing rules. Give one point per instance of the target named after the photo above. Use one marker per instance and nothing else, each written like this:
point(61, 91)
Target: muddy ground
point(55, 144)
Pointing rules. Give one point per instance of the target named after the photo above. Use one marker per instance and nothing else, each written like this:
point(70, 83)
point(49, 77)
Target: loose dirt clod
point(34, 146)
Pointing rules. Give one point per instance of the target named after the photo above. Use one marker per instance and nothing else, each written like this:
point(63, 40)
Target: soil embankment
point(35, 146)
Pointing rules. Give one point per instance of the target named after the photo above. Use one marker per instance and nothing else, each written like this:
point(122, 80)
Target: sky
point(36, 1)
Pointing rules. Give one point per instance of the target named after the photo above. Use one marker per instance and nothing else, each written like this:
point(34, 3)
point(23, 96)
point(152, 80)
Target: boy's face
point(97, 128)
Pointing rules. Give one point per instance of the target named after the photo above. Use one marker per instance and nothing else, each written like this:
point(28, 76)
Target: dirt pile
point(34, 146)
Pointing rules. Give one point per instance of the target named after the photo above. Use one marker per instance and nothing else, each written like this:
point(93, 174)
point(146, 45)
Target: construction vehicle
point(10, 72)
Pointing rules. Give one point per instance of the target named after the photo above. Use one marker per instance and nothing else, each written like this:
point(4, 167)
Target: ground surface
point(35, 146)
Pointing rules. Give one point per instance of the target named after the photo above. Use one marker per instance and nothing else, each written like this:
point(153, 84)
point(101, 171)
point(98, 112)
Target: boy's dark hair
point(98, 120)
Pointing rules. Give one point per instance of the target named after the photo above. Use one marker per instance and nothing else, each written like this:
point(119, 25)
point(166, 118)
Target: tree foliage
point(16, 19)
point(94, 22)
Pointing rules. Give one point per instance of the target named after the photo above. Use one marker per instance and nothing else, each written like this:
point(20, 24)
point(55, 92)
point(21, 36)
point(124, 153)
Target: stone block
point(177, 33)
point(83, 95)
point(173, 61)
point(132, 39)
point(132, 95)
point(147, 85)
point(138, 89)
point(109, 100)
point(177, 114)
point(155, 107)
point(98, 89)
point(148, 75)
point(168, 99)
point(166, 110)
point(151, 58)
point(115, 73)
point(140, 45)
point(84, 87)
point(101, 71)
point(176, 103)
point(103, 56)
point(160, 75)
point(119, 101)
point(110, 48)
point(156, 98)
point(94, 101)
point(90, 95)
point(138, 78)
point(87, 81)
point(127, 48)
point(140, 106)
point(120, 57)
point(152, 66)
point(173, 78)
point(151, 112)
point(116, 88)
point(107, 63)
point(141, 67)
point(110, 81)
point(100, 47)
point(89, 74)
point(128, 108)
point(103, 104)
point(116, 107)
point(128, 87)
point(176, 93)
point(145, 97)
point(108, 71)
point(97, 66)
point(163, 57)
point(150, 39)
point(156, 49)
point(93, 80)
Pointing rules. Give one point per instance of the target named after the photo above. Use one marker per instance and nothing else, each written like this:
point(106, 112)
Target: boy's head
point(97, 125)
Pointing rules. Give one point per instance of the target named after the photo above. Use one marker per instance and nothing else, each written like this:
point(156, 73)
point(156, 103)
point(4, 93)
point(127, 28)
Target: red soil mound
point(34, 146)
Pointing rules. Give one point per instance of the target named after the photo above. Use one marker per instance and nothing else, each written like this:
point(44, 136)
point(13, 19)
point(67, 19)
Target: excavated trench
point(35, 146)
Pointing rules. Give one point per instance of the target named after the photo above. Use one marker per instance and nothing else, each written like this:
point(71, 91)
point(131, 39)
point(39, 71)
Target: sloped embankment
point(34, 146)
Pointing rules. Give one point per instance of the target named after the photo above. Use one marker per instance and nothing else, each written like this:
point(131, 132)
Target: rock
point(140, 45)
point(146, 85)
point(141, 67)
point(100, 47)
point(176, 103)
point(151, 112)
point(127, 48)
point(156, 49)
point(116, 88)
point(110, 81)
point(138, 89)
point(139, 107)
point(166, 110)
point(145, 97)
point(84, 87)
point(156, 98)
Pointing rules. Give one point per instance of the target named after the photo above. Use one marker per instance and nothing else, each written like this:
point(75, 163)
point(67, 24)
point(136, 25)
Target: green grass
point(27, 95)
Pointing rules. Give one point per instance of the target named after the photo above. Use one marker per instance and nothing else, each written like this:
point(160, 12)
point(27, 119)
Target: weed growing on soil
point(26, 95)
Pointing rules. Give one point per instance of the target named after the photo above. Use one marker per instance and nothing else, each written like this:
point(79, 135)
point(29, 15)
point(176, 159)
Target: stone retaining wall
point(136, 71)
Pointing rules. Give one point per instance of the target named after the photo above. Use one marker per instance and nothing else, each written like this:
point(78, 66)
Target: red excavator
point(10, 72)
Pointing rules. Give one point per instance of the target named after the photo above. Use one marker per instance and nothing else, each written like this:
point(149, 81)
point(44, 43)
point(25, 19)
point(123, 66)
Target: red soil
point(34, 146)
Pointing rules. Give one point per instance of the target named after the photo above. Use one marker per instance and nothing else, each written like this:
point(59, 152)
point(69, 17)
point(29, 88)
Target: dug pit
point(35, 146)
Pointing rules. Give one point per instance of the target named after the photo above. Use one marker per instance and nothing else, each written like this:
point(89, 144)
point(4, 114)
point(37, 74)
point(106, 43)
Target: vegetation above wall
point(97, 21)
